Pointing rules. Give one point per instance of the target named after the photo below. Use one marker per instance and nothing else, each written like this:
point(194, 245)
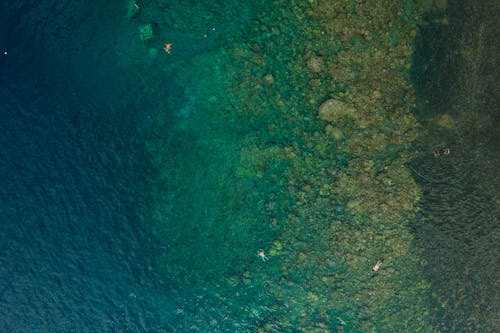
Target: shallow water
point(137, 185)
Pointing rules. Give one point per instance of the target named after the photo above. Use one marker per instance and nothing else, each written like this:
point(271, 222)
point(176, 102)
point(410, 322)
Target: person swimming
point(262, 255)
point(376, 267)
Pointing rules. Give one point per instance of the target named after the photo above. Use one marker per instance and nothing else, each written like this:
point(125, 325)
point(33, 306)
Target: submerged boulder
point(315, 64)
point(146, 32)
point(333, 110)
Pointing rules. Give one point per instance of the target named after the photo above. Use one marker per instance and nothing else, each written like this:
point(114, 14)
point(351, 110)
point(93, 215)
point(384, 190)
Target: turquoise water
point(138, 185)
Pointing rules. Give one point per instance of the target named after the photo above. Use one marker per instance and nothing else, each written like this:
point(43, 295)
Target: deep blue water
point(83, 229)
point(75, 181)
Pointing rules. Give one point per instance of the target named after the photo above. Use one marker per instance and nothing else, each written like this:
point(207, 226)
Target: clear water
point(138, 185)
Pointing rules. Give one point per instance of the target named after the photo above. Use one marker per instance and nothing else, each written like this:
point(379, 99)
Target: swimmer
point(437, 154)
point(446, 151)
point(167, 48)
point(376, 267)
point(262, 255)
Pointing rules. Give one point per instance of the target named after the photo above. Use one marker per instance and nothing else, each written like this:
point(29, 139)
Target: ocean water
point(76, 182)
point(137, 185)
point(83, 101)
point(459, 109)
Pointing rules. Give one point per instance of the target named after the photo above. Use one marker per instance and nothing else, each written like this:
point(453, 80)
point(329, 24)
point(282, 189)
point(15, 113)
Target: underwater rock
point(276, 248)
point(146, 32)
point(269, 79)
point(334, 132)
point(441, 4)
point(315, 64)
point(256, 48)
point(446, 121)
point(314, 83)
point(332, 110)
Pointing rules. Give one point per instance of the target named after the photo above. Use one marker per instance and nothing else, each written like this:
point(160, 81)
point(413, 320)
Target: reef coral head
point(332, 110)
point(315, 64)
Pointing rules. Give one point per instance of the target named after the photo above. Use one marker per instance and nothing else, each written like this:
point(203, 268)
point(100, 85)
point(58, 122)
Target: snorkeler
point(262, 255)
point(376, 267)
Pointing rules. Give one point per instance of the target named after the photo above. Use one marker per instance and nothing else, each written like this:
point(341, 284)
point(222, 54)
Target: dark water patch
point(77, 184)
point(456, 76)
point(88, 115)
point(72, 196)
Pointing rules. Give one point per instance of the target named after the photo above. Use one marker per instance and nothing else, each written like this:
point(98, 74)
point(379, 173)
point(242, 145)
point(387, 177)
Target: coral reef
point(344, 117)
point(321, 105)
point(315, 63)
point(334, 110)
